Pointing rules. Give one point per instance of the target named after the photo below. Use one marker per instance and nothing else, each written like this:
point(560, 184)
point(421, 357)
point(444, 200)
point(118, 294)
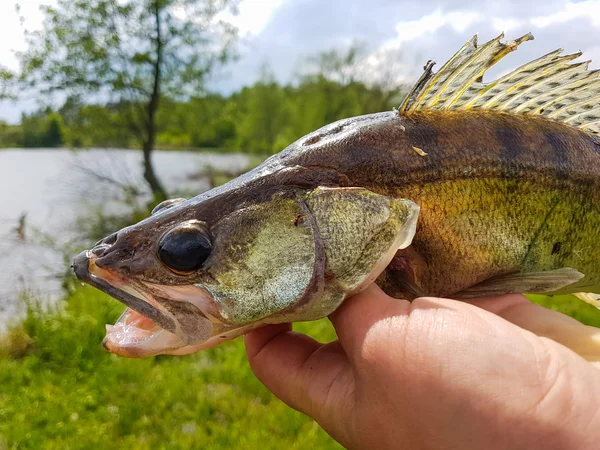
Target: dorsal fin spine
point(550, 86)
point(535, 74)
point(522, 106)
point(590, 124)
point(507, 77)
point(478, 75)
point(436, 76)
point(578, 103)
point(569, 89)
point(477, 54)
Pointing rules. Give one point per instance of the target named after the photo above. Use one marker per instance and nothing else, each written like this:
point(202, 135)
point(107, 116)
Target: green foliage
point(118, 46)
point(6, 83)
point(42, 129)
point(260, 119)
point(10, 135)
point(53, 136)
point(60, 390)
point(97, 126)
point(263, 118)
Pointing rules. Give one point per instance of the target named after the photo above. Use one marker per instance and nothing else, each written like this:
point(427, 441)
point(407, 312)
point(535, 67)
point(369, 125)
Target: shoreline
point(213, 150)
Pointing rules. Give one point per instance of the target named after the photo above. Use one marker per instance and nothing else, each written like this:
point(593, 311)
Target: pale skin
point(438, 374)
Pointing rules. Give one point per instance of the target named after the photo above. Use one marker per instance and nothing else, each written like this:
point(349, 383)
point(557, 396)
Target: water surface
point(48, 190)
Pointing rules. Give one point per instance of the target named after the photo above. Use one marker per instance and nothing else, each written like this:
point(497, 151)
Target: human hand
point(439, 373)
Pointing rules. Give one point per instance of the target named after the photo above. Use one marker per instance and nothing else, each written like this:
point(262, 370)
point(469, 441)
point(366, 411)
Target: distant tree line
point(262, 118)
point(149, 61)
point(41, 129)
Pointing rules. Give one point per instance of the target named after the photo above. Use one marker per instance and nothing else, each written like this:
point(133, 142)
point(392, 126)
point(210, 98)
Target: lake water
point(48, 190)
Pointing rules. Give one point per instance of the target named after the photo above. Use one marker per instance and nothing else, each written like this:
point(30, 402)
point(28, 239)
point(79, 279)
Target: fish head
point(203, 271)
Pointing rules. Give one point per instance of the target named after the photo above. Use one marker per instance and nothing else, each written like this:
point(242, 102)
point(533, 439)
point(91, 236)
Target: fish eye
point(166, 205)
point(185, 248)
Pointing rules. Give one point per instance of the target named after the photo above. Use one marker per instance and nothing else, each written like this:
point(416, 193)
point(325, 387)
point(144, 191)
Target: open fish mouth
point(134, 335)
point(159, 319)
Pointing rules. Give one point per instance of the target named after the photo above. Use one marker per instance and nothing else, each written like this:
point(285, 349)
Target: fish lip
point(81, 266)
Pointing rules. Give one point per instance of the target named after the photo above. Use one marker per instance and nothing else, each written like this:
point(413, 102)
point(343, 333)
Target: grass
point(571, 306)
point(60, 390)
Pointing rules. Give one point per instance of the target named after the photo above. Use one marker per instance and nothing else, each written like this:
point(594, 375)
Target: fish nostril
point(100, 250)
point(110, 240)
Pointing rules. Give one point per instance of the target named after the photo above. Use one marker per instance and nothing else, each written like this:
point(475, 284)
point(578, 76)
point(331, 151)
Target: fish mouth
point(159, 319)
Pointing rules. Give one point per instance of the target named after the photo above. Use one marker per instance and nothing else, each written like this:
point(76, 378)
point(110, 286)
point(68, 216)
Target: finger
point(544, 322)
point(565, 330)
point(359, 313)
point(499, 304)
point(299, 370)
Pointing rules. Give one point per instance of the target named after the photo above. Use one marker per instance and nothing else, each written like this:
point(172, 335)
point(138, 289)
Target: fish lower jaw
point(135, 336)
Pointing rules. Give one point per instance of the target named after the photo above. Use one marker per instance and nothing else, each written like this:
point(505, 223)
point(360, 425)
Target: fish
point(469, 189)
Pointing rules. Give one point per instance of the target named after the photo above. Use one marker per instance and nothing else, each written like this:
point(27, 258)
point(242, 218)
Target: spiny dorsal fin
point(548, 86)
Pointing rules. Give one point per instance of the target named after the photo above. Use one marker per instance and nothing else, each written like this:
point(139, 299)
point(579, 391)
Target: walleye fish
point(469, 189)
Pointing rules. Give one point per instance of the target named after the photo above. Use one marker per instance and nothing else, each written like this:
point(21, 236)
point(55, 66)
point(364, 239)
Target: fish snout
point(81, 266)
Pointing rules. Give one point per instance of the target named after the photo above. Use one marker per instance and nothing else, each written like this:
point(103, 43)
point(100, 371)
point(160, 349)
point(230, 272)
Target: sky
point(283, 33)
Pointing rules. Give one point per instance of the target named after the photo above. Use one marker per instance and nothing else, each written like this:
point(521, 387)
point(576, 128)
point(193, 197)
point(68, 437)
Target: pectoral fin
point(518, 282)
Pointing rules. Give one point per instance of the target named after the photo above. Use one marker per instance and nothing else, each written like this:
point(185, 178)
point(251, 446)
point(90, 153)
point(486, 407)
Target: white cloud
point(458, 20)
point(505, 24)
point(253, 15)
point(587, 9)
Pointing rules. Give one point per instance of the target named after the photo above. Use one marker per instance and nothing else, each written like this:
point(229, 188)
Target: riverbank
point(158, 148)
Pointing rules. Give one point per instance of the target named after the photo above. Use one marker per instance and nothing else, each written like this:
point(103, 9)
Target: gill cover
point(297, 258)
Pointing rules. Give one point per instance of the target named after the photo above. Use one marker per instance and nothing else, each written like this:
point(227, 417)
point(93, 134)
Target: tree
point(6, 78)
point(53, 136)
point(43, 128)
point(10, 135)
point(129, 52)
point(263, 116)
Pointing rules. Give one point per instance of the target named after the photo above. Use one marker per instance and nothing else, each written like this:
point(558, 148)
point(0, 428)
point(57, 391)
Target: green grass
point(60, 390)
point(571, 306)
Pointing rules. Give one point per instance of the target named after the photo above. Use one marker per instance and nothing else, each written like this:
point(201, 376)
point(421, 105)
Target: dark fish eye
point(185, 248)
point(166, 205)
